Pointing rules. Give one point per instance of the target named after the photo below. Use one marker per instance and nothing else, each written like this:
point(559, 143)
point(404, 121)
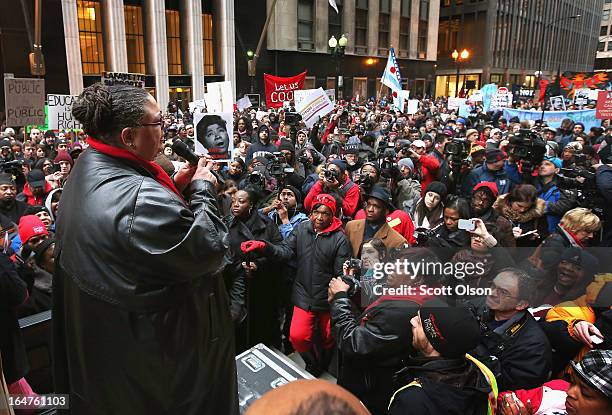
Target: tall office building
point(603, 59)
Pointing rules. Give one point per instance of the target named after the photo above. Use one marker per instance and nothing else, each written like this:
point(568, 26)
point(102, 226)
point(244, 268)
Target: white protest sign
point(300, 94)
point(413, 106)
point(331, 93)
point(501, 99)
point(221, 96)
point(60, 112)
point(317, 104)
point(593, 94)
point(197, 105)
point(476, 96)
point(557, 103)
point(455, 103)
point(24, 100)
point(123, 78)
point(243, 103)
point(259, 115)
point(581, 96)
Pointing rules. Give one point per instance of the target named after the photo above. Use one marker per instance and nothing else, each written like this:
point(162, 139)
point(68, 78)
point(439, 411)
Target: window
point(305, 25)
point(134, 35)
point(446, 3)
point(361, 26)
point(422, 33)
point(603, 31)
point(605, 15)
point(404, 44)
point(209, 44)
point(173, 37)
point(384, 17)
point(496, 78)
point(309, 82)
point(90, 37)
point(360, 88)
point(601, 46)
point(609, 48)
point(334, 20)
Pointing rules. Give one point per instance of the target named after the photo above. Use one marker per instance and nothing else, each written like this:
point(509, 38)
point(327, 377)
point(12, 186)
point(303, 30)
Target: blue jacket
point(550, 193)
point(504, 178)
point(286, 228)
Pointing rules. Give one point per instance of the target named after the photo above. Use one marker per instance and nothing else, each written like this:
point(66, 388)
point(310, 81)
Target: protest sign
point(316, 105)
point(259, 115)
point(300, 95)
point(199, 105)
point(243, 103)
point(476, 96)
point(487, 92)
point(255, 100)
point(60, 112)
point(455, 103)
point(413, 106)
point(279, 89)
point(221, 96)
point(557, 103)
point(501, 99)
point(581, 97)
point(604, 105)
point(465, 110)
point(24, 100)
point(213, 135)
point(554, 118)
point(123, 78)
point(331, 93)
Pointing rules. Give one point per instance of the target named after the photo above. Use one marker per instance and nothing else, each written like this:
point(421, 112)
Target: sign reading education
point(60, 112)
point(24, 101)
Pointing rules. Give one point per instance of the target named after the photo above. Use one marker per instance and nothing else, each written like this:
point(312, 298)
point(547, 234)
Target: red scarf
point(573, 236)
point(157, 172)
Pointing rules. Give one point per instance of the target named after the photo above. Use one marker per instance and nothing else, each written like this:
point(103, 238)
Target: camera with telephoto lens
point(528, 148)
point(457, 152)
point(256, 178)
point(292, 118)
point(330, 175)
point(11, 166)
point(277, 165)
point(586, 194)
point(366, 182)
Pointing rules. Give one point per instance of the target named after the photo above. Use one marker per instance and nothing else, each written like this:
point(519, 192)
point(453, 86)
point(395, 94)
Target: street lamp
point(458, 57)
point(251, 68)
point(336, 48)
point(544, 33)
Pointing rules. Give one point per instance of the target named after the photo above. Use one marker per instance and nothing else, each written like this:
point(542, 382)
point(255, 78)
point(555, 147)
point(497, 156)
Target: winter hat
point(63, 156)
point(419, 144)
point(406, 162)
point(381, 194)
point(36, 178)
point(495, 131)
point(6, 178)
point(295, 191)
point(286, 145)
point(494, 155)
point(476, 149)
point(5, 143)
point(574, 146)
point(554, 160)
point(265, 128)
point(471, 131)
point(452, 332)
point(30, 226)
point(327, 200)
point(491, 186)
point(34, 209)
point(595, 369)
point(437, 187)
point(352, 146)
point(341, 164)
point(582, 258)
point(460, 121)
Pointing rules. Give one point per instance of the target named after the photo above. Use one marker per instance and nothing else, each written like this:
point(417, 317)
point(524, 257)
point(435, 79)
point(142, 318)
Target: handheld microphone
point(185, 152)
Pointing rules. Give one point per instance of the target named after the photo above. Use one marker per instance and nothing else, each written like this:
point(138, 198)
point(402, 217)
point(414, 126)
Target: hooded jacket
point(48, 202)
point(320, 257)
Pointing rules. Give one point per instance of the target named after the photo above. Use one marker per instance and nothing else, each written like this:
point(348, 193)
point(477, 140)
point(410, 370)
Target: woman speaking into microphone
point(141, 320)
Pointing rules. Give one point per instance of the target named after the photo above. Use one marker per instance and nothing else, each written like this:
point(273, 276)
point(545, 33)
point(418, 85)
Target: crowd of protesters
point(311, 216)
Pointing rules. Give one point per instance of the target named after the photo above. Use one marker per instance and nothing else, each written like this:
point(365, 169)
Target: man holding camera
point(334, 179)
point(425, 164)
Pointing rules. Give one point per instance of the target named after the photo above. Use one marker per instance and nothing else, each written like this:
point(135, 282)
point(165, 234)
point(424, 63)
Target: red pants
point(302, 327)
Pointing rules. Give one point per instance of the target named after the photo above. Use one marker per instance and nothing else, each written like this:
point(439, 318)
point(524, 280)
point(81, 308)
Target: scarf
point(154, 169)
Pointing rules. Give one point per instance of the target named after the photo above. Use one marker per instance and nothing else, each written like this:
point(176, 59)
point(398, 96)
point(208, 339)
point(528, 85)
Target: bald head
point(308, 397)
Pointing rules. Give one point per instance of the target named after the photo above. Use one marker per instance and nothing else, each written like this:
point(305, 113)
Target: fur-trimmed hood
point(502, 206)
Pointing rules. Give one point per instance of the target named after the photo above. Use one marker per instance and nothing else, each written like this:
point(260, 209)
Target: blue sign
point(554, 118)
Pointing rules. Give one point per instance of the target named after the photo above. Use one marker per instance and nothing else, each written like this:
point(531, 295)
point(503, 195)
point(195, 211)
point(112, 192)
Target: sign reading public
point(24, 100)
point(60, 112)
point(279, 90)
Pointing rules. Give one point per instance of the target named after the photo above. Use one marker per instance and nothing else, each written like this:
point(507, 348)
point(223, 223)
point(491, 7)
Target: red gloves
point(252, 246)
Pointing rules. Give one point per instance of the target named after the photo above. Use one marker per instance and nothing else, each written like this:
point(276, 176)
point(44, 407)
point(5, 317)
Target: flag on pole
point(334, 5)
point(391, 76)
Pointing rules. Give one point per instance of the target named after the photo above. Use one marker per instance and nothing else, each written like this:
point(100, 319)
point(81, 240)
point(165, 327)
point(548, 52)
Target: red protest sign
point(279, 90)
point(603, 110)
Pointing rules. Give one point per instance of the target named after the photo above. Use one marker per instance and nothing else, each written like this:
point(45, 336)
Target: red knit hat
point(63, 156)
point(489, 185)
point(30, 226)
point(326, 200)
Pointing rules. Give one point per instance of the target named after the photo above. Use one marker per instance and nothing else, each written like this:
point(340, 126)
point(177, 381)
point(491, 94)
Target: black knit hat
point(437, 187)
point(286, 145)
point(6, 178)
point(295, 191)
point(452, 331)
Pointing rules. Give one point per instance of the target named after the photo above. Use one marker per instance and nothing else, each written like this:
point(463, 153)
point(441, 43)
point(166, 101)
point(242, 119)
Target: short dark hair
point(523, 193)
point(207, 121)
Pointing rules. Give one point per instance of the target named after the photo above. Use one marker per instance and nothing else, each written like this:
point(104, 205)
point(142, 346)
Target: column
point(115, 46)
point(414, 28)
point(432, 30)
point(321, 17)
point(73, 47)
point(348, 24)
point(282, 32)
point(193, 45)
point(373, 11)
point(228, 42)
point(156, 46)
point(394, 30)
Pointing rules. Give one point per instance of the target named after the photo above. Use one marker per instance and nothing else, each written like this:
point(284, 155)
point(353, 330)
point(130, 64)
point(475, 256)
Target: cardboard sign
point(316, 105)
point(476, 96)
point(331, 93)
point(603, 111)
point(123, 78)
point(243, 103)
point(581, 97)
point(199, 105)
point(60, 112)
point(214, 135)
point(413, 106)
point(501, 99)
point(24, 100)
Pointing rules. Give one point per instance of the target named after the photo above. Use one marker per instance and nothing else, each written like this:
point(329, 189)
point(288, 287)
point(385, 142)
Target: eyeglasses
point(502, 292)
point(159, 123)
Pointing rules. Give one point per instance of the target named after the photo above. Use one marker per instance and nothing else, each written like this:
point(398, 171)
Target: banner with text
point(554, 118)
point(316, 105)
point(279, 89)
point(60, 112)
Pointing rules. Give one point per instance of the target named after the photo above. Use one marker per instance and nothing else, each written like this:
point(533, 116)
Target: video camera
point(586, 194)
point(528, 148)
point(257, 179)
point(457, 152)
point(292, 118)
point(11, 166)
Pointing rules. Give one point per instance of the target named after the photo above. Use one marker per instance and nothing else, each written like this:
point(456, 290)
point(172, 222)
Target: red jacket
point(429, 171)
point(30, 199)
point(349, 202)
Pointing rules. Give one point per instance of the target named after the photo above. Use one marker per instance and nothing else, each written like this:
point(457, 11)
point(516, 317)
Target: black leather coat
point(141, 321)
